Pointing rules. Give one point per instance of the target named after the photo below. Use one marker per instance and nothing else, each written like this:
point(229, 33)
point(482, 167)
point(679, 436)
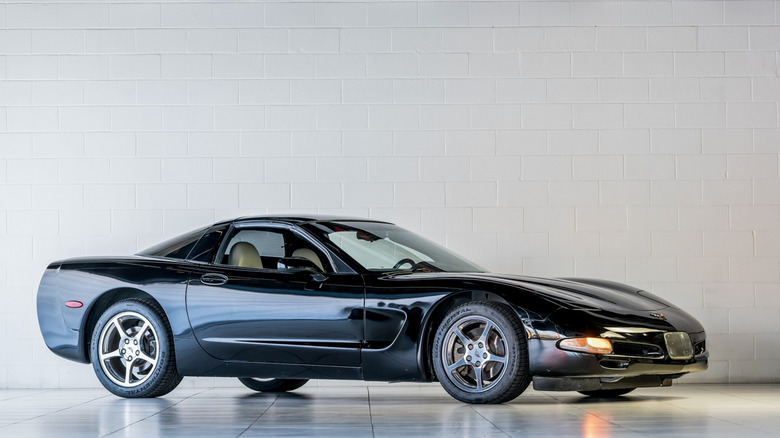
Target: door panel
point(263, 315)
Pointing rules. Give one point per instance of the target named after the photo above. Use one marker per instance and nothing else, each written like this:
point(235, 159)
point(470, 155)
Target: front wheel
point(132, 350)
point(272, 385)
point(480, 353)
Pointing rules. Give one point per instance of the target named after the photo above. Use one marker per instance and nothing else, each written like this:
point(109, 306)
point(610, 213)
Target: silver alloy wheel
point(128, 349)
point(474, 354)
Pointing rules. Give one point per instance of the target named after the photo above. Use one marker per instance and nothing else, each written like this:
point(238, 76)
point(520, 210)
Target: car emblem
point(658, 315)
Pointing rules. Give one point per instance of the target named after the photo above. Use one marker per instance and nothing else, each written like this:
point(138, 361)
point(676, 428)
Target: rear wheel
point(132, 350)
point(272, 385)
point(607, 393)
point(480, 353)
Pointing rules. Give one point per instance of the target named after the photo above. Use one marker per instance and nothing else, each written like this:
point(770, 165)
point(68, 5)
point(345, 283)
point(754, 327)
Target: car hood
point(573, 293)
point(590, 293)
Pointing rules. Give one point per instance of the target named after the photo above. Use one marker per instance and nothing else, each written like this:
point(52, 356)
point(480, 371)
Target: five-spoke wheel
point(475, 353)
point(480, 353)
point(127, 350)
point(131, 350)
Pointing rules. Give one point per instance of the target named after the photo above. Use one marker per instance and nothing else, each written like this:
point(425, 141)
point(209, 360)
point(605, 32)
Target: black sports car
point(275, 301)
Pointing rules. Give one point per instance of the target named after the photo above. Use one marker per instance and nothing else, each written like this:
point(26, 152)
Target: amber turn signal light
point(586, 345)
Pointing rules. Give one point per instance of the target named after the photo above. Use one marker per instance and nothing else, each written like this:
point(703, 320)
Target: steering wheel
point(403, 262)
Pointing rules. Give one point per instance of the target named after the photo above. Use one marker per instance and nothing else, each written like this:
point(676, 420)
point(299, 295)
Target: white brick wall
point(632, 140)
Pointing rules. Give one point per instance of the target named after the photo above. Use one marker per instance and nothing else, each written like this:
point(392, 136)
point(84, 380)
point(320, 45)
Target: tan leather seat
point(309, 254)
point(245, 254)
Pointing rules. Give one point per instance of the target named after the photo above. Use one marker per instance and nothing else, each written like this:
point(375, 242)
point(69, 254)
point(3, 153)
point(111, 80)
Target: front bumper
point(557, 370)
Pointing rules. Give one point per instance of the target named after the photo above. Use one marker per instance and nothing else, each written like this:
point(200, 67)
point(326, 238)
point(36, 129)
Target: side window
point(262, 249)
point(207, 246)
point(254, 248)
point(298, 247)
point(176, 248)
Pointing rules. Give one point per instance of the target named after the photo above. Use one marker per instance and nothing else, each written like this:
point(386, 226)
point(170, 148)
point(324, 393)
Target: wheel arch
point(103, 302)
point(436, 315)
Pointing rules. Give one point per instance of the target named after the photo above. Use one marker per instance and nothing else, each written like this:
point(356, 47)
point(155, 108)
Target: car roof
point(299, 219)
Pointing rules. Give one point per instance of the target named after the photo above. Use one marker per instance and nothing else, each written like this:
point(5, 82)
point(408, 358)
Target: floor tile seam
point(474, 408)
point(259, 417)
point(718, 388)
point(55, 411)
point(657, 401)
point(36, 393)
point(156, 413)
point(741, 397)
point(696, 412)
point(370, 412)
point(613, 423)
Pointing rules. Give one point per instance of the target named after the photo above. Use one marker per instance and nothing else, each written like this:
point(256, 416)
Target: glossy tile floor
point(410, 410)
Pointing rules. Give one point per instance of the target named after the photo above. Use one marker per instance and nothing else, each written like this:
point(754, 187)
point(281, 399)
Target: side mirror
point(292, 265)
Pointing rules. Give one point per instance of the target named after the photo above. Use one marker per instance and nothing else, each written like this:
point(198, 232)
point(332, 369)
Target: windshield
point(386, 247)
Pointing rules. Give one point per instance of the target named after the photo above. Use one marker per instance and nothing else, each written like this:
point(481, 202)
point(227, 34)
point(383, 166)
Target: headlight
point(586, 345)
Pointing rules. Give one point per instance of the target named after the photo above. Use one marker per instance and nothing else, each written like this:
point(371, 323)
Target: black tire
point(134, 332)
point(607, 393)
point(500, 373)
point(272, 385)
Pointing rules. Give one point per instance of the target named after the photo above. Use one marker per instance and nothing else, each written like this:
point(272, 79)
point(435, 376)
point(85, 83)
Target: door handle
point(212, 279)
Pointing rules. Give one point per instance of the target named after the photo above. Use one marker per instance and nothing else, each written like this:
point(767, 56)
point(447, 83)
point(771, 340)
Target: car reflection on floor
point(330, 408)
